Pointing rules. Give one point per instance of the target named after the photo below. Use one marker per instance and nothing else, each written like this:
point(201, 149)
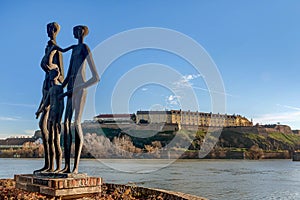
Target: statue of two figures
point(52, 104)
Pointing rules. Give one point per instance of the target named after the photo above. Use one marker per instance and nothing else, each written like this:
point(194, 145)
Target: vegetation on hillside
point(116, 143)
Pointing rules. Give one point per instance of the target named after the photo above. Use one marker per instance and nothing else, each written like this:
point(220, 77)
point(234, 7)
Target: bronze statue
point(54, 119)
point(51, 57)
point(76, 93)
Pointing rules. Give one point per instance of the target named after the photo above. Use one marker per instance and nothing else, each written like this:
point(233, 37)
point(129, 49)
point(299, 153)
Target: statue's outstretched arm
point(64, 50)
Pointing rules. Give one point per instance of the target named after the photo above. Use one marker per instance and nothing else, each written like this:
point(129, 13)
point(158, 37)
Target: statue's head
point(80, 31)
point(52, 29)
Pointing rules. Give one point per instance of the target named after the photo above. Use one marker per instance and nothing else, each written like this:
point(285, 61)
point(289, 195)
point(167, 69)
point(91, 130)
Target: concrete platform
point(63, 185)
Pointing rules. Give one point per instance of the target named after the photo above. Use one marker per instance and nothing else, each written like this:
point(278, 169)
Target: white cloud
point(173, 103)
point(283, 118)
point(8, 118)
point(289, 107)
point(217, 92)
point(29, 132)
point(172, 100)
point(190, 77)
point(18, 104)
point(287, 117)
point(171, 97)
point(184, 83)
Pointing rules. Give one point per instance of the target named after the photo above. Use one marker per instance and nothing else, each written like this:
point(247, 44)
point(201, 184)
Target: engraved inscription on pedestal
point(38, 181)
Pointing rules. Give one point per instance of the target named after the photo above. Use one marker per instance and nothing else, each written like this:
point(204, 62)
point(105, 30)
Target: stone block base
point(72, 185)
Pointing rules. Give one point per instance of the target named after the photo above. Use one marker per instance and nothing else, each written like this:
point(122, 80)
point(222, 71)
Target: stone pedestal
point(59, 185)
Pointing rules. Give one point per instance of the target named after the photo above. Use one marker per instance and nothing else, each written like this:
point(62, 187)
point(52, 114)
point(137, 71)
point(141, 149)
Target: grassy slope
point(228, 139)
point(273, 142)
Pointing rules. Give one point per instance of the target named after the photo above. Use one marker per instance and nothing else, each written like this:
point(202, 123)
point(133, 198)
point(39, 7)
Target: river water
point(213, 179)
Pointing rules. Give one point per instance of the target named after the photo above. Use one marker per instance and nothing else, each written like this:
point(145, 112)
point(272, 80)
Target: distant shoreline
point(238, 156)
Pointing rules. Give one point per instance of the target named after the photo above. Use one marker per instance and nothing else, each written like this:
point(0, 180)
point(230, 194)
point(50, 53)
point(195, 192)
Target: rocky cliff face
point(278, 128)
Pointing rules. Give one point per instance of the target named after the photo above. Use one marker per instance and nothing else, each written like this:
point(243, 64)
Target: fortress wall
point(242, 129)
point(154, 126)
point(271, 130)
point(284, 129)
point(248, 129)
point(297, 132)
point(200, 128)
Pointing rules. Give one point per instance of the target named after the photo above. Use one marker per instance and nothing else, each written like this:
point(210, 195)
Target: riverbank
point(109, 192)
point(113, 143)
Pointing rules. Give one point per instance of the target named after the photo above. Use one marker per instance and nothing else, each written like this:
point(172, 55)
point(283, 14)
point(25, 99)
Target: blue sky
point(254, 44)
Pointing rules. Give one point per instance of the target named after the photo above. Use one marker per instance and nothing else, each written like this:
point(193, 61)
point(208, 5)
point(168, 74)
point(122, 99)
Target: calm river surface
point(213, 179)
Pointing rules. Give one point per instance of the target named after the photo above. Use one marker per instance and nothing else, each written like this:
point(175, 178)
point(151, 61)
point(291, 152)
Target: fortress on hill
point(178, 117)
point(173, 120)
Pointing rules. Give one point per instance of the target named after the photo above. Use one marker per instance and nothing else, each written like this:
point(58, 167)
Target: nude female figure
point(76, 94)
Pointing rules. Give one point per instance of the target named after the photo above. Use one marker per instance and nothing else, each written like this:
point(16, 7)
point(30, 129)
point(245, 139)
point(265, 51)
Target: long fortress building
point(179, 117)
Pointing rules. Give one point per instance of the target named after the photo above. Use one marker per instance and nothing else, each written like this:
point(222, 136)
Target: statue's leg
point(79, 105)
point(45, 137)
point(67, 135)
point(51, 146)
point(58, 153)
